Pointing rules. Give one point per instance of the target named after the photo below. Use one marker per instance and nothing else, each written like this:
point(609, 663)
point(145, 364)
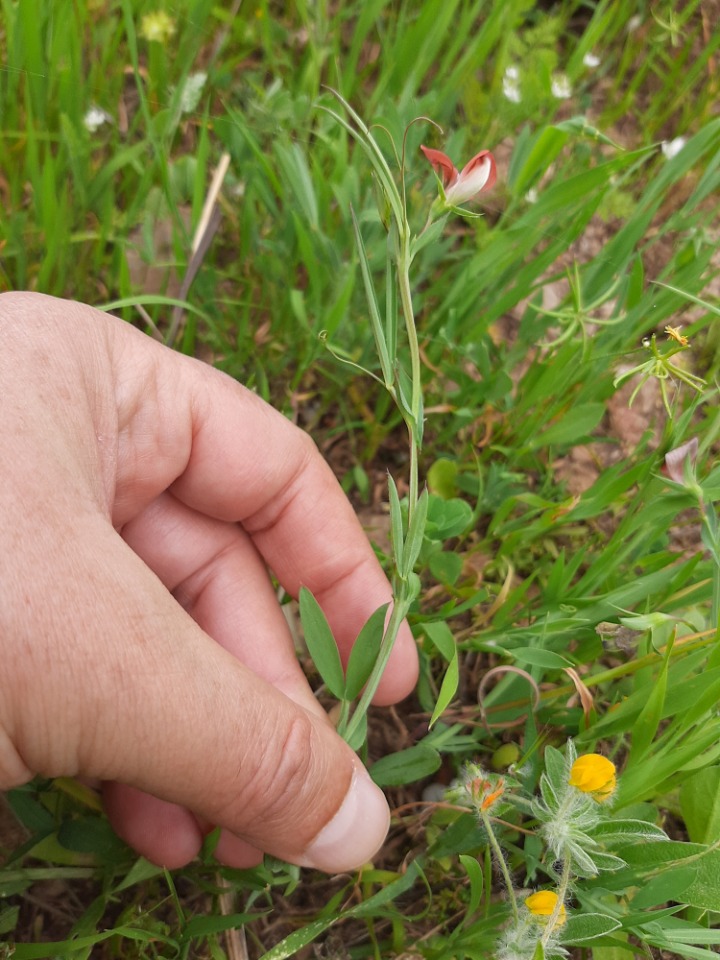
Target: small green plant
point(409, 521)
point(662, 367)
point(572, 818)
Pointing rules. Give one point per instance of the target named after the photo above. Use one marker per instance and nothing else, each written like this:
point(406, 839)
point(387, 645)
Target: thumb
point(139, 694)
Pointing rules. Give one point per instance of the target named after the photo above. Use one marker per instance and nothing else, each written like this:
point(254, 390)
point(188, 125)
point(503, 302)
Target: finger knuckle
point(270, 795)
point(287, 774)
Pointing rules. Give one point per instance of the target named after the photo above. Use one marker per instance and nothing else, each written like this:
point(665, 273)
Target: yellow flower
point(673, 333)
point(595, 774)
point(543, 904)
point(158, 26)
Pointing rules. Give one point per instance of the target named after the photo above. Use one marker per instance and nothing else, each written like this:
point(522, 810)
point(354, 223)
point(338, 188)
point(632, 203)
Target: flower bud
point(477, 175)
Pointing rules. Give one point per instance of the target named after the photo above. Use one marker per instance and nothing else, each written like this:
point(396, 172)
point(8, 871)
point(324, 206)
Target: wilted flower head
point(486, 793)
point(594, 774)
point(543, 903)
point(674, 333)
point(477, 175)
point(478, 788)
point(158, 27)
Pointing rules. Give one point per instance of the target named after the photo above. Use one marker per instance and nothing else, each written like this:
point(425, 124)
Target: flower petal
point(543, 903)
point(675, 459)
point(593, 773)
point(442, 165)
point(478, 174)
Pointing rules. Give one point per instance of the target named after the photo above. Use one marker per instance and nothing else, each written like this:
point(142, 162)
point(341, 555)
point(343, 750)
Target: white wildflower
point(532, 195)
point(511, 85)
point(671, 148)
point(633, 23)
point(192, 91)
point(95, 117)
point(511, 91)
point(560, 87)
point(592, 61)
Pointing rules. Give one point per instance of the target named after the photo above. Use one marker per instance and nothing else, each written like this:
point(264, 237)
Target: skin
point(144, 498)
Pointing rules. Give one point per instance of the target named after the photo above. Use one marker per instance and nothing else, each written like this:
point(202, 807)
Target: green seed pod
point(505, 756)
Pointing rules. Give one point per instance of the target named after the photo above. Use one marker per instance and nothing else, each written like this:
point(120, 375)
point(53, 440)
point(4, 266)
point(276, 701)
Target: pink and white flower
point(676, 460)
point(477, 175)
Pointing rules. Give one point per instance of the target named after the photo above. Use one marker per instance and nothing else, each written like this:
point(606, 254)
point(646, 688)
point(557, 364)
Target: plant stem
point(413, 482)
point(497, 850)
point(344, 714)
point(401, 605)
point(414, 420)
point(561, 894)
point(412, 413)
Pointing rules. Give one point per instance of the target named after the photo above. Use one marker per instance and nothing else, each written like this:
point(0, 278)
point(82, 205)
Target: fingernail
point(355, 833)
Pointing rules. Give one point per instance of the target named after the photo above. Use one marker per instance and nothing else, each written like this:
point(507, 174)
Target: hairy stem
point(561, 894)
point(500, 857)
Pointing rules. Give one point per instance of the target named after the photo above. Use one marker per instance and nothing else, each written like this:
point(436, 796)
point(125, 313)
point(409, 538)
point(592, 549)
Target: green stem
point(412, 414)
point(414, 422)
point(399, 611)
point(409, 317)
point(413, 492)
point(344, 714)
point(499, 856)
point(561, 894)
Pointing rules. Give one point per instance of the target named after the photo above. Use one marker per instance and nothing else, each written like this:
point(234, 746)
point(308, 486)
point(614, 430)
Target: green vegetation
point(570, 582)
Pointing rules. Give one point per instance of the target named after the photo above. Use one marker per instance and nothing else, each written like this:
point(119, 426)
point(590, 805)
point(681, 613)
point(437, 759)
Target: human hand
point(144, 496)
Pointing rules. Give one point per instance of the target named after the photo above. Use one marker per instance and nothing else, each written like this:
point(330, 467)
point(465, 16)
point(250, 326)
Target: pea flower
point(477, 175)
point(594, 774)
point(485, 793)
point(543, 904)
point(675, 460)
